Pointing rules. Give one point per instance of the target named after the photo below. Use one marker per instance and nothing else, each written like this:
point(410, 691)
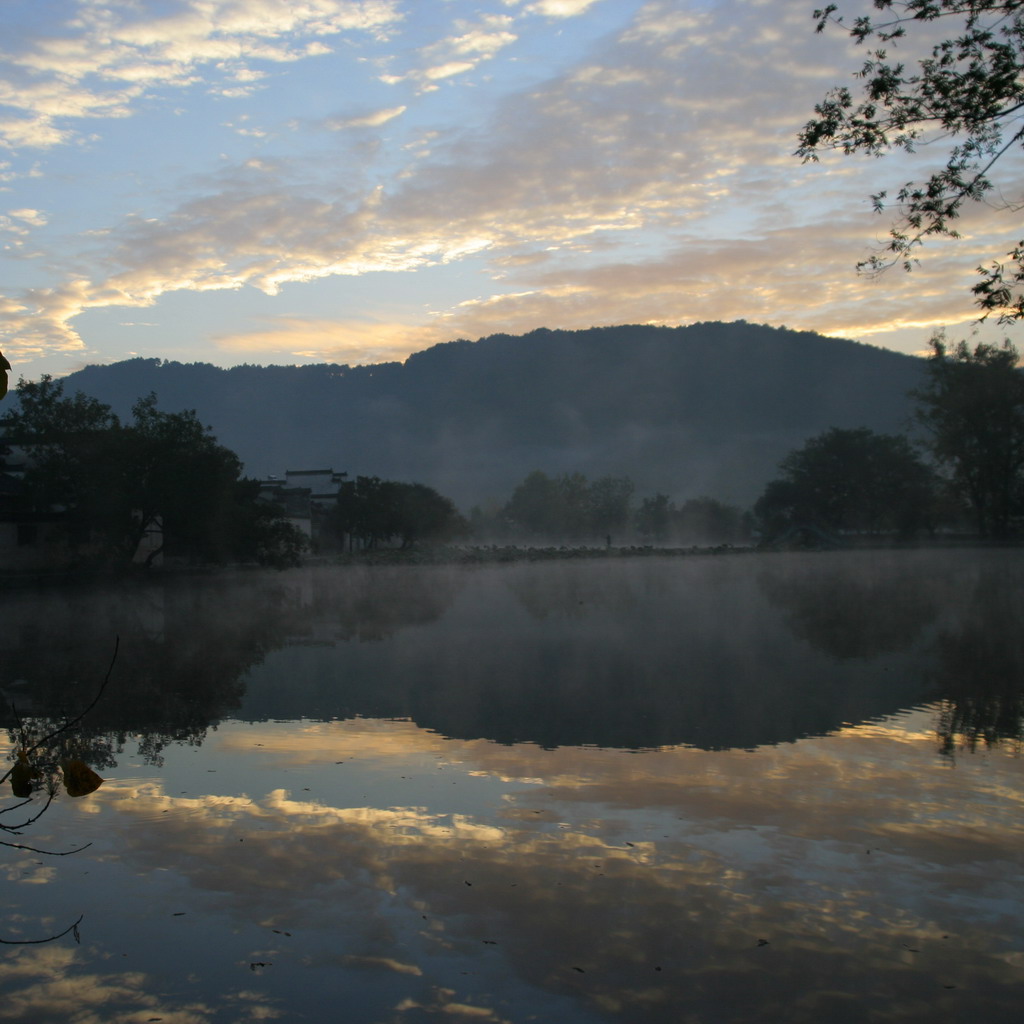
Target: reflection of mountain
point(624, 654)
point(618, 655)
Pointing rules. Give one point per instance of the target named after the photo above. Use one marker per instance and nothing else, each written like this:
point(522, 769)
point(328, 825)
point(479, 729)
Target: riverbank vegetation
point(160, 486)
point(87, 489)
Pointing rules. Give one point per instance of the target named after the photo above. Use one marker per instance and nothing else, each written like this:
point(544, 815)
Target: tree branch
point(36, 942)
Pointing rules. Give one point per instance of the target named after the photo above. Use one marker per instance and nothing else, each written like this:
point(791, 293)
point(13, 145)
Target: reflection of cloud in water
point(635, 884)
point(41, 986)
point(410, 877)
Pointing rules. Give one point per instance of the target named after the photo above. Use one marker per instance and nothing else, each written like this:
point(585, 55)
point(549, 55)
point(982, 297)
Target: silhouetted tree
point(654, 517)
point(849, 480)
point(423, 514)
point(710, 521)
point(610, 504)
point(573, 497)
point(964, 95)
point(372, 511)
point(535, 505)
point(162, 473)
point(972, 407)
point(258, 531)
point(178, 476)
point(569, 506)
point(70, 441)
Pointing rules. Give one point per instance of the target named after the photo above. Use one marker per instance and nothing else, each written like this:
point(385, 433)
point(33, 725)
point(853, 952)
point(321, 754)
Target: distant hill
point(705, 409)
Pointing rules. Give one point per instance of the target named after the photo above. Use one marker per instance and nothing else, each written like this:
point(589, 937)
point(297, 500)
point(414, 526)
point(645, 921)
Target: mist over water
point(715, 788)
point(713, 652)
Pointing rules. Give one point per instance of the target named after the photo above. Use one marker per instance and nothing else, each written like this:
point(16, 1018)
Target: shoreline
point(480, 554)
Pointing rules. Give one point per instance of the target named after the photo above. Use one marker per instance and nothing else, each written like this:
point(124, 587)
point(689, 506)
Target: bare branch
point(36, 942)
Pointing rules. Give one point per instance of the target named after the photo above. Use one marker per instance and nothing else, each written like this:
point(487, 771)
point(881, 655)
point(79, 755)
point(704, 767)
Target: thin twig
point(48, 853)
point(16, 829)
point(71, 722)
point(36, 942)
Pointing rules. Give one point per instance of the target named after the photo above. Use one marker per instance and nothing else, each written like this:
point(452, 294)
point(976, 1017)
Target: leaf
point(22, 776)
point(80, 779)
point(21, 779)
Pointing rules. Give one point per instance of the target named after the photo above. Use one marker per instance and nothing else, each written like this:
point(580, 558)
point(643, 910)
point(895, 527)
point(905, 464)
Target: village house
point(307, 497)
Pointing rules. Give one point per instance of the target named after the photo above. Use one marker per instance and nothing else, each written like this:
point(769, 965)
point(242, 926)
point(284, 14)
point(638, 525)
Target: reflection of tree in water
point(614, 656)
point(580, 591)
point(980, 674)
point(882, 605)
point(185, 646)
point(872, 606)
point(371, 603)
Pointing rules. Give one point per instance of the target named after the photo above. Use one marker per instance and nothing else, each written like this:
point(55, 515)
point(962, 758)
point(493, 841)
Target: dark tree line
point(113, 484)
point(109, 485)
point(850, 480)
point(701, 520)
point(568, 506)
point(371, 512)
point(967, 467)
point(972, 410)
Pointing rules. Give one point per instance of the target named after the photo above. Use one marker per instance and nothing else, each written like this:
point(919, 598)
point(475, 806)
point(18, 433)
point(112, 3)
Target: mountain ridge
point(704, 409)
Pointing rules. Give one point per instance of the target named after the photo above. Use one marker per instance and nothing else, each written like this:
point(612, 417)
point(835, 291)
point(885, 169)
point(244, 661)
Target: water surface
point(752, 788)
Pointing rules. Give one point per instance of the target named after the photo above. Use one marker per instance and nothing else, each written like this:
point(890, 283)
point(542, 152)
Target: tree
point(709, 521)
point(964, 94)
point(4, 369)
point(162, 472)
point(375, 511)
point(70, 440)
point(258, 530)
point(972, 407)
point(845, 480)
point(423, 514)
point(569, 506)
point(178, 476)
point(654, 517)
point(535, 505)
point(610, 498)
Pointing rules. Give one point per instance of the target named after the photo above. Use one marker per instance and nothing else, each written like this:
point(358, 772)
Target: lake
point(740, 788)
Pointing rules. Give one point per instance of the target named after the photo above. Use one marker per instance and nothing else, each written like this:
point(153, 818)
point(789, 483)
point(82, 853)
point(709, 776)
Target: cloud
point(355, 342)
point(560, 8)
point(650, 182)
point(372, 120)
point(33, 217)
point(99, 64)
point(801, 276)
point(470, 44)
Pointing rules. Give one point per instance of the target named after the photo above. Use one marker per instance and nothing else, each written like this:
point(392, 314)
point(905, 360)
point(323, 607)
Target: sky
point(350, 181)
